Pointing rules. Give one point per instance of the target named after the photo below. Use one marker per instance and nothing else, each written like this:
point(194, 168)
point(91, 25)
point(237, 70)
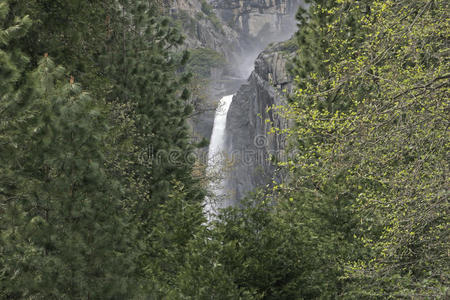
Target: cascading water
point(217, 159)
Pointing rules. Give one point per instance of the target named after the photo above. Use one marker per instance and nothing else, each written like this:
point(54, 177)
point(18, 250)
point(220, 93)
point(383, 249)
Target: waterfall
point(217, 159)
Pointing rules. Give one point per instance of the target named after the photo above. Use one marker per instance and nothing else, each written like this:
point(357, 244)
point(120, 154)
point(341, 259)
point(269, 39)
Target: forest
point(102, 193)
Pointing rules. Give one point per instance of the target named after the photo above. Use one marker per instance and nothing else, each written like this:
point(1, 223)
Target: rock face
point(239, 30)
point(258, 23)
point(203, 29)
point(253, 113)
point(264, 19)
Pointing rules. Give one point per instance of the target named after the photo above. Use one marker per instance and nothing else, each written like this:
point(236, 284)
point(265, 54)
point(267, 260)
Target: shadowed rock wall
point(254, 111)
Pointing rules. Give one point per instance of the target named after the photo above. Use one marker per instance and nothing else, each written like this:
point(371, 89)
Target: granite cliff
point(258, 23)
point(254, 151)
point(238, 29)
point(225, 37)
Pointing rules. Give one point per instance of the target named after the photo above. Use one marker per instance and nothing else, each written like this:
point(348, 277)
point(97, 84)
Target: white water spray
point(217, 158)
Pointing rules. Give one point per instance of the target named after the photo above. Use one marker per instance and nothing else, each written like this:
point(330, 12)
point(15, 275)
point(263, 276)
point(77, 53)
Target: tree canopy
point(100, 199)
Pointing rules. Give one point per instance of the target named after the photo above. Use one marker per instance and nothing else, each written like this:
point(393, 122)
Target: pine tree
point(72, 32)
point(80, 189)
point(63, 232)
point(164, 196)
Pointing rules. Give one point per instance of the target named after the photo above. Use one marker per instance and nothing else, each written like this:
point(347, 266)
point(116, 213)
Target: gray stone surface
point(259, 22)
point(248, 142)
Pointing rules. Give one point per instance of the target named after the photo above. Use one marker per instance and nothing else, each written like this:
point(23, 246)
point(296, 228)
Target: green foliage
point(72, 32)
point(97, 198)
point(371, 134)
point(289, 46)
point(199, 16)
point(241, 257)
point(162, 194)
point(262, 251)
point(315, 52)
point(11, 62)
point(202, 60)
point(207, 9)
point(145, 77)
point(62, 231)
point(319, 205)
point(183, 21)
